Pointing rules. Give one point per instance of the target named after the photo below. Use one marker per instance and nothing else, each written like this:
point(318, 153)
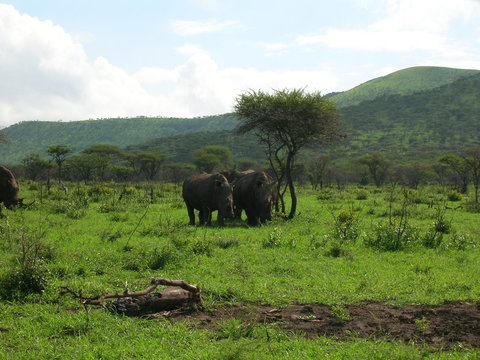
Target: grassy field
point(346, 246)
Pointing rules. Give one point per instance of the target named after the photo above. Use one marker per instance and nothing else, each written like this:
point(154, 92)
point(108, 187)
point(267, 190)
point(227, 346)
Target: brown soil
point(438, 325)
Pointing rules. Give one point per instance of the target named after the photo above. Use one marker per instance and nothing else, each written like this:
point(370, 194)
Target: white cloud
point(408, 25)
point(276, 48)
point(210, 5)
point(188, 28)
point(46, 75)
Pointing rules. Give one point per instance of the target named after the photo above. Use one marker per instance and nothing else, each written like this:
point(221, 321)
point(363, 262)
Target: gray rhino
point(207, 193)
point(8, 189)
point(234, 175)
point(254, 193)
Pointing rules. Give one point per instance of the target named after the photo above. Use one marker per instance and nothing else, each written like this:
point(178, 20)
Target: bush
point(361, 194)
point(391, 236)
point(472, 206)
point(28, 274)
point(159, 258)
point(346, 226)
point(454, 195)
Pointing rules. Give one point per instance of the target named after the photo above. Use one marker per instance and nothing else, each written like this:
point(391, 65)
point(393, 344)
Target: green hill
point(402, 82)
point(418, 124)
point(36, 136)
point(413, 127)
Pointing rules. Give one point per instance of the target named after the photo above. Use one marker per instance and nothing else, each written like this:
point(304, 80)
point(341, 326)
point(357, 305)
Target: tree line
point(284, 123)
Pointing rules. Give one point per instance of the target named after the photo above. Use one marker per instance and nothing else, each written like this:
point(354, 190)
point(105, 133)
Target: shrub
point(346, 226)
point(202, 247)
point(159, 258)
point(28, 274)
point(454, 195)
point(361, 194)
point(391, 236)
point(274, 239)
point(325, 194)
point(472, 206)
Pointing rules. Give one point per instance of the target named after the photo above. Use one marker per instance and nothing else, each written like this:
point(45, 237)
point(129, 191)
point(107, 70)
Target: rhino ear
point(259, 183)
point(218, 183)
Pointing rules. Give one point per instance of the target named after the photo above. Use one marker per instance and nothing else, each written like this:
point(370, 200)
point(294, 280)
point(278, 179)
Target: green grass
point(97, 244)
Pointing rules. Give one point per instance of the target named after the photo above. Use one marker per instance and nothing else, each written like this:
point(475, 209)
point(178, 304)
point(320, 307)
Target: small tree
point(59, 153)
point(104, 155)
point(472, 159)
point(377, 165)
point(317, 170)
point(459, 167)
point(149, 163)
point(35, 166)
point(213, 157)
point(285, 122)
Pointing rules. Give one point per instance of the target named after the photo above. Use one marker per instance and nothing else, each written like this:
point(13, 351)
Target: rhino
point(207, 193)
point(234, 175)
point(254, 193)
point(8, 189)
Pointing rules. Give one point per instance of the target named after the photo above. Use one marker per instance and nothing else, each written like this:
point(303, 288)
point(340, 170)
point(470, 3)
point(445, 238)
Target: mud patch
point(439, 325)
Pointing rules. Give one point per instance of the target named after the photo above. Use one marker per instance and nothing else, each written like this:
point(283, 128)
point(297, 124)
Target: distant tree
point(121, 173)
point(84, 166)
point(440, 170)
point(149, 163)
point(178, 172)
point(460, 167)
point(35, 166)
point(213, 157)
point(316, 169)
point(107, 153)
point(377, 165)
point(285, 122)
point(412, 175)
point(472, 159)
point(59, 154)
point(105, 149)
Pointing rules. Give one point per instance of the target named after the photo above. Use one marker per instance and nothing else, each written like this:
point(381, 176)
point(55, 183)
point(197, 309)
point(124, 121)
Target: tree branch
point(99, 299)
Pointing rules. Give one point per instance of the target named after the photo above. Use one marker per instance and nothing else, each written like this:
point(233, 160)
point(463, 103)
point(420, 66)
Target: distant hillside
point(402, 82)
point(36, 136)
point(419, 123)
point(179, 148)
point(433, 122)
point(409, 128)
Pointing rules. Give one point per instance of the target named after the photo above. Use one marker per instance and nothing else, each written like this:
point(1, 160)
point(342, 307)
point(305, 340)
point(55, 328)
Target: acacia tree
point(213, 157)
point(317, 170)
point(459, 167)
point(59, 154)
point(377, 165)
point(285, 122)
point(150, 163)
point(472, 160)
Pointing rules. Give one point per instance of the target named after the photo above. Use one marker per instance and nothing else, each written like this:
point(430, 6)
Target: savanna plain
point(290, 289)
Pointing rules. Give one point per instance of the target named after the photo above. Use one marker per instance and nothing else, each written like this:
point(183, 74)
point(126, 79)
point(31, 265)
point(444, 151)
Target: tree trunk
point(291, 186)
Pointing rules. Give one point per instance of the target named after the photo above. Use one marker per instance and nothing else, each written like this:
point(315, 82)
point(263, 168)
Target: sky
point(63, 60)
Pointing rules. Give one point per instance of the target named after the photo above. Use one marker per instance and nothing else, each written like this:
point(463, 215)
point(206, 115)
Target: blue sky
point(75, 60)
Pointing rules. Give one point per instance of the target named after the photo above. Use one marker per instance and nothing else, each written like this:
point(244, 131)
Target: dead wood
point(144, 301)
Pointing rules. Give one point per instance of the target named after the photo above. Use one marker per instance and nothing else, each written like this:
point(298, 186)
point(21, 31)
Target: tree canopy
point(286, 121)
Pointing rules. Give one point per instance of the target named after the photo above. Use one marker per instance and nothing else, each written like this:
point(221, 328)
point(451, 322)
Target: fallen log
point(180, 294)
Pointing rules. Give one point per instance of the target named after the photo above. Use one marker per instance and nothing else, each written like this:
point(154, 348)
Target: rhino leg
point(191, 215)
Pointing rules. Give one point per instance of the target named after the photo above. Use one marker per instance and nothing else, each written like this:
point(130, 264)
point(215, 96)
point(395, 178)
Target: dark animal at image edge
point(8, 189)
point(207, 193)
point(254, 193)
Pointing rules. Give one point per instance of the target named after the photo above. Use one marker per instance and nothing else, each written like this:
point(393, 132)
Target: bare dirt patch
point(438, 325)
